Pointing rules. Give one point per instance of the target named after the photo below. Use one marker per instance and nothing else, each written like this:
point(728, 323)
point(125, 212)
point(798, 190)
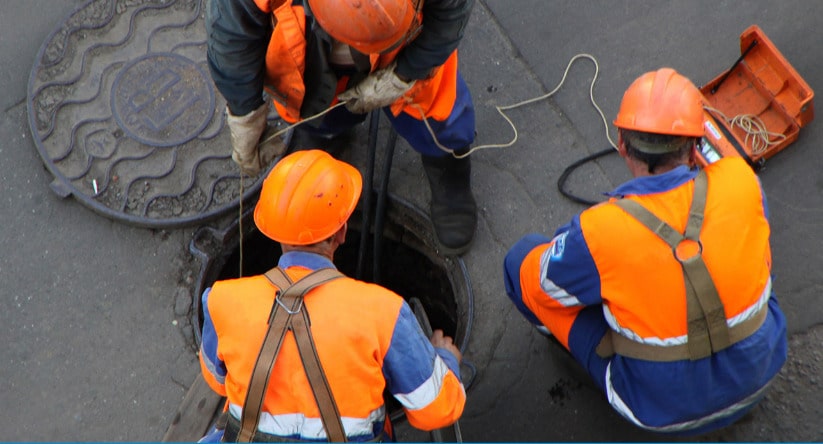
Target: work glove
point(381, 88)
point(247, 151)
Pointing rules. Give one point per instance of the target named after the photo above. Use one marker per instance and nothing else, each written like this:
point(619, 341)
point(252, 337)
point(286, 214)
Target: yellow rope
point(300, 122)
point(500, 110)
point(240, 225)
point(758, 137)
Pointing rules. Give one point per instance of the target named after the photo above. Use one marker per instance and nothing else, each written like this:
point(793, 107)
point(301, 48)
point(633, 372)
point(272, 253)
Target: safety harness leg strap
point(708, 330)
point(329, 413)
point(256, 392)
point(288, 301)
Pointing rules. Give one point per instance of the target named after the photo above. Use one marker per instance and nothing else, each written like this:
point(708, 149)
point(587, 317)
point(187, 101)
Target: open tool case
point(761, 87)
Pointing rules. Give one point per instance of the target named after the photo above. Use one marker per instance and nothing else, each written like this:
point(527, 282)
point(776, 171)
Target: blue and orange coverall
point(604, 270)
point(291, 62)
point(367, 339)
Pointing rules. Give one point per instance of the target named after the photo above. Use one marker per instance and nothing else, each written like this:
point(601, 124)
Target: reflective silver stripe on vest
point(550, 288)
point(745, 315)
point(621, 407)
point(291, 424)
point(428, 391)
point(221, 379)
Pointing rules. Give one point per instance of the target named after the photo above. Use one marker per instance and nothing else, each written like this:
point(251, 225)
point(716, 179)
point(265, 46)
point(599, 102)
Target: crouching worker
point(365, 337)
point(663, 293)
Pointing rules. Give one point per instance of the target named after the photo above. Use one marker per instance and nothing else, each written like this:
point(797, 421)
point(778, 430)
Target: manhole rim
point(464, 308)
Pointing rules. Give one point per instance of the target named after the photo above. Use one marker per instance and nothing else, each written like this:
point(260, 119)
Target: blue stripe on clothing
point(456, 132)
point(403, 367)
point(312, 261)
point(657, 183)
point(208, 343)
point(572, 268)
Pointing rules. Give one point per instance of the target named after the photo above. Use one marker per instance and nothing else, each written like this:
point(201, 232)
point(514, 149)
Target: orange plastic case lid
point(763, 84)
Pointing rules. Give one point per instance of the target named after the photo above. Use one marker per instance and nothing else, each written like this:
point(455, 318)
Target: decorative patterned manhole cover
point(126, 117)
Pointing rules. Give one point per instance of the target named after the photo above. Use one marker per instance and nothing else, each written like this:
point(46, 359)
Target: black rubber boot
point(453, 209)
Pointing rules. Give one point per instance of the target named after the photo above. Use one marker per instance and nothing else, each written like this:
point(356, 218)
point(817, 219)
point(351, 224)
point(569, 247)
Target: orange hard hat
point(369, 26)
point(662, 102)
point(307, 197)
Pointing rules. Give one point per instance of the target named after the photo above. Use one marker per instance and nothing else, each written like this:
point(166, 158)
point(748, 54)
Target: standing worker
point(682, 332)
point(398, 55)
point(367, 338)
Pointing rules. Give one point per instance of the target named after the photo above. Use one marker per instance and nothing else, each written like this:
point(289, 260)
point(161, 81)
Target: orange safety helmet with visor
point(369, 26)
point(307, 197)
point(662, 102)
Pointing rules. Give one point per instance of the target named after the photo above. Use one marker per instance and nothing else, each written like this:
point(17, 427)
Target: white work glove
point(246, 132)
point(381, 88)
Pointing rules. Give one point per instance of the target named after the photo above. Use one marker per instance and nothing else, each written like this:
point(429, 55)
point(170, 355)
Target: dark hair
point(675, 150)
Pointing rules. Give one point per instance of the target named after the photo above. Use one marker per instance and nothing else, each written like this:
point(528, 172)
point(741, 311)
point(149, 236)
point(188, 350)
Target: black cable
point(561, 182)
point(374, 120)
point(380, 212)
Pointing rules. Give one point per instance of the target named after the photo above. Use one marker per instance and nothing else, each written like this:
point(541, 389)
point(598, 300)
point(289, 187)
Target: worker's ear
point(621, 144)
point(340, 235)
point(693, 154)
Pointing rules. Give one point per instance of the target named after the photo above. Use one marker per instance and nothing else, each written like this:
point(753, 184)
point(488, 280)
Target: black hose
point(561, 182)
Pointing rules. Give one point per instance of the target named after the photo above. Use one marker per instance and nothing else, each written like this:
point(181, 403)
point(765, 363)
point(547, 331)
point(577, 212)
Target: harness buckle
point(687, 250)
point(280, 303)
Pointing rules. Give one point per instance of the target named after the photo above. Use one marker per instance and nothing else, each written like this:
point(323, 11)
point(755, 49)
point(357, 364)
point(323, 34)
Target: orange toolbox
point(757, 107)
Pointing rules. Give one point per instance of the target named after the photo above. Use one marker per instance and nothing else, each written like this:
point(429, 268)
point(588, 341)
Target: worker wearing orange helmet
point(664, 293)
point(396, 55)
point(366, 336)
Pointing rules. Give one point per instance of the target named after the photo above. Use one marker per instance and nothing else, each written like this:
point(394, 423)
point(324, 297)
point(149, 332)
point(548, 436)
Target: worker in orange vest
point(367, 339)
point(664, 293)
point(396, 55)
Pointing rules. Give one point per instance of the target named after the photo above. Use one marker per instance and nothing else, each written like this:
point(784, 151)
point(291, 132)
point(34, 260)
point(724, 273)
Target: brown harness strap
point(614, 342)
point(317, 378)
point(288, 301)
point(708, 331)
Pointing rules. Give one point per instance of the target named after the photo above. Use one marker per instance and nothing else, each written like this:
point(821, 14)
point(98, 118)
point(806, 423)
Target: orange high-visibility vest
point(432, 97)
point(352, 323)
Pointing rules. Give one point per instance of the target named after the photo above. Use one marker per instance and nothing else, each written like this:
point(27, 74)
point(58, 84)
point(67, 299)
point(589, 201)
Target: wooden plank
point(195, 414)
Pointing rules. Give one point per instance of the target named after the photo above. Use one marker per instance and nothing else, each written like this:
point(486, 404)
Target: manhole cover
point(126, 117)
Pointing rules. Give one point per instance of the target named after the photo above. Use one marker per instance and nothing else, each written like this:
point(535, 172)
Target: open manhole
point(410, 265)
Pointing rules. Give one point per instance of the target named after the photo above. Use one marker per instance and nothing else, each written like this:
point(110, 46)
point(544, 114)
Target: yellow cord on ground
point(757, 135)
point(501, 109)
